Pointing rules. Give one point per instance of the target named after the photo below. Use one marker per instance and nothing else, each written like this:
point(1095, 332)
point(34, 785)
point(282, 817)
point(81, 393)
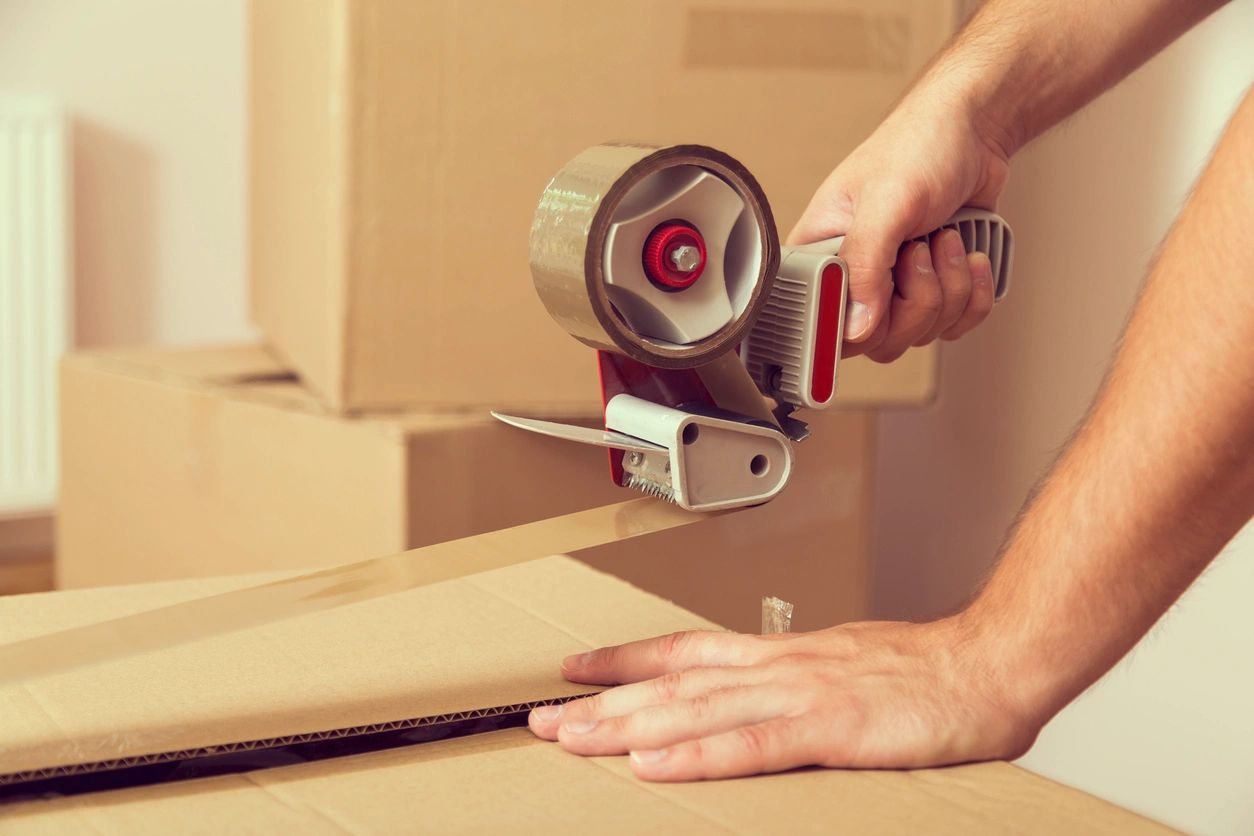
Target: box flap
point(251, 372)
point(221, 364)
point(487, 639)
point(430, 651)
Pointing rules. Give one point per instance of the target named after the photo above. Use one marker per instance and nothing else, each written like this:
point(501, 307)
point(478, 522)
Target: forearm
point(1161, 473)
point(1021, 66)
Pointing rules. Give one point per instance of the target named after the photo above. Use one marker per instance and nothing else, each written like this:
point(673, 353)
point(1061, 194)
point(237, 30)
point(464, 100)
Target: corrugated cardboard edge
point(338, 733)
point(176, 755)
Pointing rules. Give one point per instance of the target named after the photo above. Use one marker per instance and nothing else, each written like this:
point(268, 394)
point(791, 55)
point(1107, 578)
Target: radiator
point(35, 307)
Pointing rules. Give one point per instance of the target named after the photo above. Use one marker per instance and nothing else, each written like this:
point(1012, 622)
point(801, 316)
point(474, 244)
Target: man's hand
point(719, 705)
point(1019, 67)
point(928, 159)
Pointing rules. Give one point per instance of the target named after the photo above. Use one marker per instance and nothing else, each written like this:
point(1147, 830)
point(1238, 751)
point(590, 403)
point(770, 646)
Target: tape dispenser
point(709, 335)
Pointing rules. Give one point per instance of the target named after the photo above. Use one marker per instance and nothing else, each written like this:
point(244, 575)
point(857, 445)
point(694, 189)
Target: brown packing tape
point(338, 586)
point(568, 239)
point(728, 382)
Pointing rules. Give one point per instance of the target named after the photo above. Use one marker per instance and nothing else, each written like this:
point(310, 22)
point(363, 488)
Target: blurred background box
point(398, 150)
point(212, 461)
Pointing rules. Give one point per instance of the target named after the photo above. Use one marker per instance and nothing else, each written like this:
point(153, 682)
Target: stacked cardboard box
point(397, 151)
point(423, 656)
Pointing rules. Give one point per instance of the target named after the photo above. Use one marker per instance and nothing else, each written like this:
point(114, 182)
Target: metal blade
point(335, 587)
point(582, 435)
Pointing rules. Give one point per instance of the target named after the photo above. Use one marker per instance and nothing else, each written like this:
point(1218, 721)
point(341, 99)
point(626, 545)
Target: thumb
point(882, 221)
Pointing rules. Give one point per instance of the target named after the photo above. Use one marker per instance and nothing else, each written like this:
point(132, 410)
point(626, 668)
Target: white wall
point(157, 92)
point(1170, 732)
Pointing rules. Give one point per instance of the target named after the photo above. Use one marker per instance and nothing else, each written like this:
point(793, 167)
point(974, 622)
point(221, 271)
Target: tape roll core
point(569, 236)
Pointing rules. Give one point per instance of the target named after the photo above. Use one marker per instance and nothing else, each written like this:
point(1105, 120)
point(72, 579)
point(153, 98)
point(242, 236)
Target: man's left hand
point(703, 705)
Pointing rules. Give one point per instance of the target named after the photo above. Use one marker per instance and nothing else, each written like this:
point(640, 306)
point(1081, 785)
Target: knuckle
point(981, 304)
point(696, 751)
point(607, 657)
point(957, 286)
point(928, 338)
point(886, 353)
point(699, 708)
point(666, 687)
point(754, 741)
point(586, 707)
point(674, 646)
point(930, 300)
point(615, 726)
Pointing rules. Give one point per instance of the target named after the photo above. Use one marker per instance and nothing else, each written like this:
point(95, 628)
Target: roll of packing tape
point(665, 255)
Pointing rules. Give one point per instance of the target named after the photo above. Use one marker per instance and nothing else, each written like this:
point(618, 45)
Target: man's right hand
point(928, 159)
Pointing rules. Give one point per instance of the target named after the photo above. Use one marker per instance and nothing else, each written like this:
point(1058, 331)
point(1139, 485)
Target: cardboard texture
point(428, 651)
point(211, 462)
point(398, 151)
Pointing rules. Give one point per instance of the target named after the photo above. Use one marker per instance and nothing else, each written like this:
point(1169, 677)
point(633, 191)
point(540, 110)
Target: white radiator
point(35, 306)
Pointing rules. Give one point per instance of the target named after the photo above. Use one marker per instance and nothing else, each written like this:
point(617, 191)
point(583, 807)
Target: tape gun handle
point(981, 231)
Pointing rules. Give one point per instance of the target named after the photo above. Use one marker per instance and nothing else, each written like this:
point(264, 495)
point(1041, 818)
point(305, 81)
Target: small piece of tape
point(776, 616)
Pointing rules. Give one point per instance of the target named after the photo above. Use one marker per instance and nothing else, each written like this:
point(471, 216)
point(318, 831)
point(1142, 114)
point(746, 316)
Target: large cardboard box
point(398, 150)
point(483, 646)
point(202, 462)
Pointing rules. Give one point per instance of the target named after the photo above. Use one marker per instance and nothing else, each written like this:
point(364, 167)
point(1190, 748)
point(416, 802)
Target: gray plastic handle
point(981, 231)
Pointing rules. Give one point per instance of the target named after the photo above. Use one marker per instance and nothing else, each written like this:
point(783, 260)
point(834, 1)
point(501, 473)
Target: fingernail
point(577, 661)
point(954, 250)
point(981, 269)
point(546, 713)
point(579, 726)
point(647, 756)
point(922, 258)
point(857, 318)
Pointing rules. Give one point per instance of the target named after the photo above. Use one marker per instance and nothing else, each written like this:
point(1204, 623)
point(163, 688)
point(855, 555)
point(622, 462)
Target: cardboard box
point(398, 150)
point(205, 462)
point(186, 463)
point(489, 640)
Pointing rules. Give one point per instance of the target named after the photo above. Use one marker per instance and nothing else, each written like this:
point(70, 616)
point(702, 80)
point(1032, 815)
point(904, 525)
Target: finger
point(848, 349)
point(829, 214)
point(617, 702)
point(950, 257)
point(981, 301)
point(658, 726)
point(884, 218)
point(916, 303)
point(651, 658)
point(772, 746)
